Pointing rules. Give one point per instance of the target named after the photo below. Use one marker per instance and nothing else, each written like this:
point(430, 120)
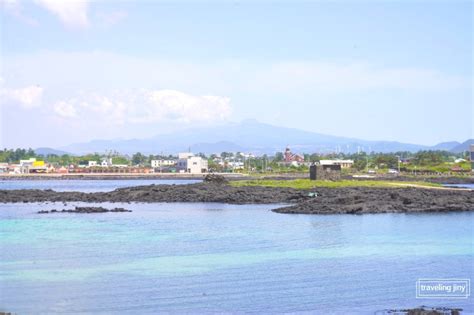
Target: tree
point(120, 160)
point(278, 157)
point(138, 159)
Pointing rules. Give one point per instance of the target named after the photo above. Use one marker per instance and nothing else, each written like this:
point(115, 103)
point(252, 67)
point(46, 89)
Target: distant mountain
point(446, 146)
point(247, 136)
point(461, 147)
point(49, 151)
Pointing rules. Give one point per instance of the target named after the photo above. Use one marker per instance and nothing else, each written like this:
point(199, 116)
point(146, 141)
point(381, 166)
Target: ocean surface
point(88, 185)
point(206, 258)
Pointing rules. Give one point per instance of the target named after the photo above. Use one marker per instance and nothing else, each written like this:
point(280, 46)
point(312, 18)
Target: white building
point(185, 155)
point(92, 163)
point(236, 165)
point(162, 163)
point(188, 163)
point(106, 162)
point(32, 166)
point(342, 163)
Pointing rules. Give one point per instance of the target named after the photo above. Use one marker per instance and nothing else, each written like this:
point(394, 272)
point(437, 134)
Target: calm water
point(85, 185)
point(204, 258)
point(461, 185)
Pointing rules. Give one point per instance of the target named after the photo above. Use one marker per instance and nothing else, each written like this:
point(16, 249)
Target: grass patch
point(309, 184)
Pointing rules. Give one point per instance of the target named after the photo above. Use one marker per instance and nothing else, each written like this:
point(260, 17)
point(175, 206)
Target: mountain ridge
point(248, 136)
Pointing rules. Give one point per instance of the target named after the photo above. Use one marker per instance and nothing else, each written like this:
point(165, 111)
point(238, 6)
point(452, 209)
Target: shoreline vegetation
point(297, 196)
point(314, 184)
point(423, 179)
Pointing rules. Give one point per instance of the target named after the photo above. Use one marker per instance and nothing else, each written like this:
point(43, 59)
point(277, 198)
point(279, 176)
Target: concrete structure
point(32, 166)
point(162, 163)
point(185, 155)
point(188, 163)
point(322, 172)
point(92, 163)
point(342, 163)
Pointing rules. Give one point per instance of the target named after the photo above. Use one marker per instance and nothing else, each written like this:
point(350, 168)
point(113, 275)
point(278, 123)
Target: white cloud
point(65, 109)
point(175, 105)
point(27, 97)
point(72, 13)
point(146, 106)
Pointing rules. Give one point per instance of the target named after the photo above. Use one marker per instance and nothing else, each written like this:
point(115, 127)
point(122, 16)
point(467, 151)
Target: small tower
point(288, 155)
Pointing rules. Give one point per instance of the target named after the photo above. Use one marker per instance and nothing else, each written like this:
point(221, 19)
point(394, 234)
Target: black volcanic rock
point(355, 200)
point(85, 210)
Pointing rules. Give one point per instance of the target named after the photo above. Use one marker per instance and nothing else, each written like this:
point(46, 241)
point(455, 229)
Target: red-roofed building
point(291, 157)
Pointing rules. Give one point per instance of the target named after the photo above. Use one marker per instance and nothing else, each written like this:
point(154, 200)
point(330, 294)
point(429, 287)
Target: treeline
point(14, 156)
point(361, 160)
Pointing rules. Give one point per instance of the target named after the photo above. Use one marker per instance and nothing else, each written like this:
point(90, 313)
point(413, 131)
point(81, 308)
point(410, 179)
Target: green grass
point(309, 184)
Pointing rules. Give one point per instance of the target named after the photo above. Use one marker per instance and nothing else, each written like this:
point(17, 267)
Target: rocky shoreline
point(85, 210)
point(353, 200)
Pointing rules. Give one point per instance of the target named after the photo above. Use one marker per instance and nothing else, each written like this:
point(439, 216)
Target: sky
point(74, 71)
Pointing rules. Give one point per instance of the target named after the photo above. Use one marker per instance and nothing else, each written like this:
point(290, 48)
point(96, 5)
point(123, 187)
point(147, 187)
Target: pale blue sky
point(76, 71)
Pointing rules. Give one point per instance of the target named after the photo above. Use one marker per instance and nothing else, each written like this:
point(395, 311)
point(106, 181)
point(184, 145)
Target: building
point(324, 172)
point(106, 162)
point(289, 157)
point(188, 163)
point(471, 156)
point(92, 163)
point(185, 155)
point(341, 163)
point(162, 163)
point(4, 167)
point(32, 166)
point(292, 159)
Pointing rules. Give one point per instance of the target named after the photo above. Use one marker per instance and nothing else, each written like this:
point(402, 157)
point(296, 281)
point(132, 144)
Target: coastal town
point(236, 157)
point(27, 162)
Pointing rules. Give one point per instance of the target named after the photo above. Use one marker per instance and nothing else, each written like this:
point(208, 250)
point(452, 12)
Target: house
point(92, 163)
point(289, 157)
point(106, 162)
point(332, 163)
point(162, 163)
point(188, 163)
point(236, 165)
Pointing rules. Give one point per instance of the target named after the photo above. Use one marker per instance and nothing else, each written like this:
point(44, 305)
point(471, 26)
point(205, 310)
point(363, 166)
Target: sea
point(204, 258)
point(88, 185)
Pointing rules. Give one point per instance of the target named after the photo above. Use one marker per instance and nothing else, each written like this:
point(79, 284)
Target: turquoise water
point(86, 185)
point(206, 258)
